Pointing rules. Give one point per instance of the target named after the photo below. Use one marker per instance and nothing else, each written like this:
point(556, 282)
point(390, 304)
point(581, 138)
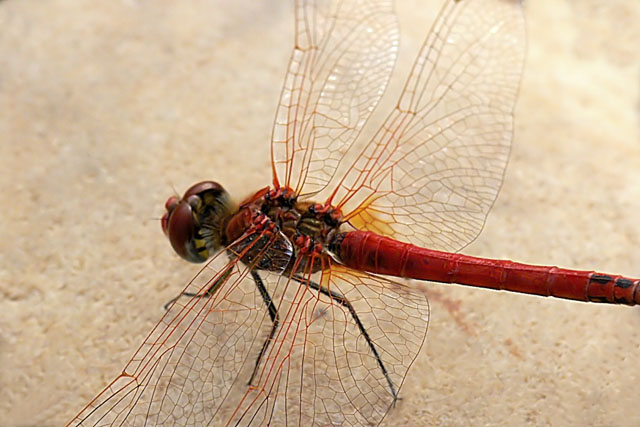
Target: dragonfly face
point(194, 223)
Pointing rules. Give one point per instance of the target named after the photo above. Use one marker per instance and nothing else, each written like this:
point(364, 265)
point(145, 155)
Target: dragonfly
point(301, 313)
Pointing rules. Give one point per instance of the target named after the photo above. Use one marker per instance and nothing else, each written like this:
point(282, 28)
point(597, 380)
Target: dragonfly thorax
point(307, 224)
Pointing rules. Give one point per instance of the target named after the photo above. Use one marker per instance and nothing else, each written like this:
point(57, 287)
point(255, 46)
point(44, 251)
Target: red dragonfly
point(294, 320)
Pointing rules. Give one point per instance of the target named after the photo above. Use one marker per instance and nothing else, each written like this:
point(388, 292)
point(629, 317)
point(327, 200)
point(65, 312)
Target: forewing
point(343, 56)
point(434, 169)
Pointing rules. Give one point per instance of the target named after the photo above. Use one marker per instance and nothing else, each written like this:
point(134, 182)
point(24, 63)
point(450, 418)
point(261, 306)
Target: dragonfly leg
point(206, 294)
point(275, 319)
point(342, 300)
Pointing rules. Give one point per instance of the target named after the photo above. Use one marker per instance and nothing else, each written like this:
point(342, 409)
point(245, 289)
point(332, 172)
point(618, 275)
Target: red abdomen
point(363, 250)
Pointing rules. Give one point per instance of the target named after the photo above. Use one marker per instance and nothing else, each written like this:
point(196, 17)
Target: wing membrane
point(186, 370)
point(433, 170)
point(343, 56)
point(318, 369)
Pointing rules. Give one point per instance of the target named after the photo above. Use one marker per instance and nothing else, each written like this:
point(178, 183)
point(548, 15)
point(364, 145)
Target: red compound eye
point(185, 216)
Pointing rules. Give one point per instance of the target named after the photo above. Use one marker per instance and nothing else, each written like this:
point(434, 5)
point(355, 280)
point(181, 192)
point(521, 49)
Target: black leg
point(342, 300)
point(210, 291)
point(275, 319)
point(273, 312)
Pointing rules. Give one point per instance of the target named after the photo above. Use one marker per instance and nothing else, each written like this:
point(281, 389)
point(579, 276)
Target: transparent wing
point(343, 56)
point(395, 318)
point(321, 367)
point(189, 365)
point(433, 170)
point(318, 365)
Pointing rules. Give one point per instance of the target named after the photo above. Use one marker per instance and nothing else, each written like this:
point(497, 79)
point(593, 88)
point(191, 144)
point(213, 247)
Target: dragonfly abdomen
point(368, 251)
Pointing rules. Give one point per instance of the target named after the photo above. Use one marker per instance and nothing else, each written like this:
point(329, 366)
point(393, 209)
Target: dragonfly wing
point(395, 318)
point(320, 368)
point(342, 59)
point(189, 369)
point(434, 169)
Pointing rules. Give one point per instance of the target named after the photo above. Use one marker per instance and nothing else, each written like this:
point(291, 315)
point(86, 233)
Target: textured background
point(106, 106)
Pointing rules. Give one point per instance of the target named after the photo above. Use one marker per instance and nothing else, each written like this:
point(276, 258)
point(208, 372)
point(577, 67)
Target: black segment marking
point(624, 283)
point(623, 300)
point(602, 279)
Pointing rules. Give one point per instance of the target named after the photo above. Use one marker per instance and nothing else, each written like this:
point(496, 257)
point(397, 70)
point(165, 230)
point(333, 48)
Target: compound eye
point(201, 187)
point(180, 229)
point(206, 205)
point(170, 205)
point(165, 223)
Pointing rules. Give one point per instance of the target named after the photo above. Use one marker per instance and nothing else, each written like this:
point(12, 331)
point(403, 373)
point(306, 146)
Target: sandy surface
point(105, 106)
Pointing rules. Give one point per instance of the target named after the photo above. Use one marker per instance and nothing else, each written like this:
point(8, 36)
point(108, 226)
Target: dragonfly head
point(194, 222)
